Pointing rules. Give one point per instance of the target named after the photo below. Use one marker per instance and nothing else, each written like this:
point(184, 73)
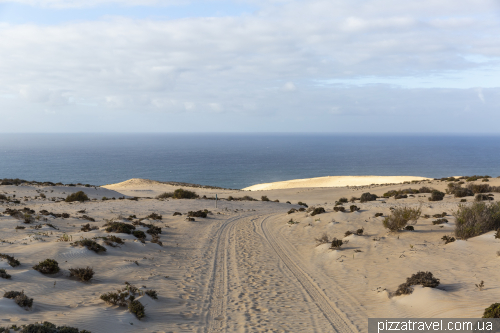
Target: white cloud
point(233, 64)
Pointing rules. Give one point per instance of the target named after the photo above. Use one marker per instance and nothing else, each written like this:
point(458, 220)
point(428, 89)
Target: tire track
point(336, 318)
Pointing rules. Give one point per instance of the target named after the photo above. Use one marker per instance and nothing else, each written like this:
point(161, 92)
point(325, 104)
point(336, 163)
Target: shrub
point(483, 197)
point(400, 218)
point(448, 239)
point(126, 298)
point(463, 200)
point(436, 196)
point(409, 228)
point(48, 327)
point(339, 209)
point(302, 209)
point(353, 199)
point(343, 200)
point(319, 210)
point(78, 196)
point(479, 188)
point(139, 234)
point(323, 239)
point(354, 208)
point(493, 311)
point(337, 243)
point(165, 195)
point(379, 214)
point(3, 274)
point(400, 196)
point(152, 293)
point(293, 210)
point(119, 227)
point(439, 221)
point(20, 298)
point(421, 278)
point(425, 189)
point(365, 197)
point(90, 244)
point(358, 232)
point(476, 219)
point(177, 213)
point(154, 216)
point(112, 240)
point(48, 266)
point(300, 203)
point(199, 213)
point(153, 230)
point(84, 274)
point(136, 308)
point(87, 228)
point(264, 198)
point(184, 194)
point(11, 260)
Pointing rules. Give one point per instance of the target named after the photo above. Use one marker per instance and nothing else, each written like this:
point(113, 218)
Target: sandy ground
point(244, 268)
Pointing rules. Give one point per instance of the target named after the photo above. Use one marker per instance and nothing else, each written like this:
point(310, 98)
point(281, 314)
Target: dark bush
point(154, 230)
point(476, 219)
point(119, 227)
point(436, 196)
point(448, 239)
point(90, 244)
point(343, 200)
point(177, 213)
point(84, 274)
point(154, 216)
point(463, 200)
point(479, 188)
point(112, 240)
point(300, 203)
point(425, 189)
point(421, 278)
point(184, 194)
point(302, 209)
point(88, 218)
point(199, 213)
point(336, 243)
point(319, 210)
point(165, 195)
point(354, 208)
point(126, 298)
point(3, 274)
point(400, 196)
point(439, 221)
point(483, 197)
point(20, 298)
point(136, 308)
point(293, 210)
point(409, 228)
point(152, 293)
point(264, 198)
point(78, 196)
point(339, 209)
point(12, 261)
point(48, 266)
point(365, 197)
point(493, 311)
point(139, 234)
point(353, 199)
point(87, 228)
point(379, 214)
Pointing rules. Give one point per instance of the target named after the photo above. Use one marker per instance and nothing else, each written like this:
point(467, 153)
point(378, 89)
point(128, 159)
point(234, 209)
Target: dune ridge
point(334, 181)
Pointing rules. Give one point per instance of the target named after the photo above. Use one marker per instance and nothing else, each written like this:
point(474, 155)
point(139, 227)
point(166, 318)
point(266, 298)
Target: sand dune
point(333, 181)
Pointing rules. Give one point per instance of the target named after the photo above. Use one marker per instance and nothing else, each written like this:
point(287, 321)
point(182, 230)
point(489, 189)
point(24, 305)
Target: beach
point(249, 265)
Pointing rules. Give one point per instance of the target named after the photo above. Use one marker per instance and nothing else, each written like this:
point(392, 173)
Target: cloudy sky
point(336, 66)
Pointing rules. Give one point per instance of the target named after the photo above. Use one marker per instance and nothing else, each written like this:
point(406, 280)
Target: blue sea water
point(240, 160)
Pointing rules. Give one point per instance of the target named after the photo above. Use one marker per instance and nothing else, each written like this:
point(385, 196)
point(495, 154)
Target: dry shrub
point(48, 266)
point(476, 219)
point(421, 278)
point(84, 274)
point(400, 217)
point(20, 298)
point(323, 239)
point(90, 244)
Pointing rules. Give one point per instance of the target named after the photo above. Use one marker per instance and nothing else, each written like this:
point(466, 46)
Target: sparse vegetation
point(354, 208)
point(316, 211)
point(323, 239)
point(199, 213)
point(436, 196)
point(448, 239)
point(365, 197)
point(152, 293)
point(11, 260)
point(3, 274)
point(47, 327)
point(87, 227)
point(84, 274)
point(90, 244)
point(339, 209)
point(139, 234)
point(291, 211)
point(48, 266)
point(439, 221)
point(20, 298)
point(119, 227)
point(343, 200)
point(379, 214)
point(476, 219)
point(300, 203)
point(154, 216)
point(337, 243)
point(425, 279)
point(78, 196)
point(400, 217)
point(264, 198)
point(493, 311)
point(126, 298)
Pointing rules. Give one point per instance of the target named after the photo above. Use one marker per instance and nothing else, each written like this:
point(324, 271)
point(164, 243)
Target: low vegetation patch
point(476, 219)
point(184, 194)
point(365, 197)
point(119, 227)
point(337, 243)
point(343, 200)
point(152, 293)
point(126, 298)
point(139, 234)
point(316, 211)
point(48, 266)
point(87, 227)
point(484, 197)
point(448, 239)
point(154, 216)
point(13, 262)
point(493, 311)
point(84, 274)
point(354, 208)
point(177, 214)
point(400, 217)
point(425, 279)
point(199, 213)
point(339, 209)
point(379, 214)
point(90, 244)
point(20, 298)
point(244, 198)
point(358, 232)
point(3, 274)
point(439, 221)
point(48, 327)
point(436, 196)
point(78, 196)
point(300, 203)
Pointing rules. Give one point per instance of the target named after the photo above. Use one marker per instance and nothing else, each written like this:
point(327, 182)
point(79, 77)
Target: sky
point(335, 66)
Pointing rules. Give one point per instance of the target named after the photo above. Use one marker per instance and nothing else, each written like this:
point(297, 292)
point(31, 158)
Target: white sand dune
point(244, 268)
point(334, 181)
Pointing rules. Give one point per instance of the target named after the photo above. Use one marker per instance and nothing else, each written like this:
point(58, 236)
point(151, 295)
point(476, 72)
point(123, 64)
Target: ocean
point(240, 160)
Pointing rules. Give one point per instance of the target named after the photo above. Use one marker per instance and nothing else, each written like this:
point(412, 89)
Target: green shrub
point(293, 210)
point(165, 195)
point(84, 274)
point(48, 266)
point(184, 194)
point(264, 198)
point(126, 298)
point(90, 244)
point(343, 200)
point(11, 260)
point(354, 208)
point(112, 240)
point(136, 308)
point(3, 274)
point(425, 189)
point(400, 217)
point(154, 216)
point(152, 293)
point(78, 196)
point(119, 227)
point(87, 228)
point(421, 278)
point(365, 197)
point(439, 221)
point(153, 230)
point(339, 209)
point(319, 210)
point(139, 234)
point(337, 243)
point(493, 311)
point(483, 197)
point(436, 196)
point(448, 239)
point(476, 219)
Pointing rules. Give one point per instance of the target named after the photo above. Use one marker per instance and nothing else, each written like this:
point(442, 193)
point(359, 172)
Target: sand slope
point(333, 181)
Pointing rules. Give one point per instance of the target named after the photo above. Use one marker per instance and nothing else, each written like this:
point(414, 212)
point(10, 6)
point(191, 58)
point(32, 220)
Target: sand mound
point(333, 181)
point(134, 182)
